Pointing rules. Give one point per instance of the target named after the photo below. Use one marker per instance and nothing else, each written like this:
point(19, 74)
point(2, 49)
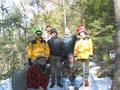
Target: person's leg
point(65, 82)
point(78, 82)
point(79, 68)
point(59, 71)
point(83, 68)
point(86, 72)
point(53, 70)
point(86, 69)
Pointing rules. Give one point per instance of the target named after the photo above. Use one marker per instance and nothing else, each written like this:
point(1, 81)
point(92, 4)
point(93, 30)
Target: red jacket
point(36, 78)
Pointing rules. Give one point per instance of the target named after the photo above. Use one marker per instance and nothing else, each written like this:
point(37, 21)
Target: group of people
point(62, 59)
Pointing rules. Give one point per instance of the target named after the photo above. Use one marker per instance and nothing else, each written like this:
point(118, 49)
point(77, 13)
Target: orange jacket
point(37, 47)
point(83, 48)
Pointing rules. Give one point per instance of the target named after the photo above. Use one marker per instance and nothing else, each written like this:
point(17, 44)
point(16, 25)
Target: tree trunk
point(64, 8)
point(116, 79)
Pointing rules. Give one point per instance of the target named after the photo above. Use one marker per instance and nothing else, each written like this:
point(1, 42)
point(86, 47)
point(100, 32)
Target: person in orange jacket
point(36, 47)
point(83, 50)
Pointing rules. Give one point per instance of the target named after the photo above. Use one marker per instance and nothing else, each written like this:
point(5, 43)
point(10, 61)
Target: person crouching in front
point(71, 75)
point(38, 75)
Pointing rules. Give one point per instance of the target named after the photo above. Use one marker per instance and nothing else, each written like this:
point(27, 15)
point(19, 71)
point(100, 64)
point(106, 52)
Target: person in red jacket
point(38, 75)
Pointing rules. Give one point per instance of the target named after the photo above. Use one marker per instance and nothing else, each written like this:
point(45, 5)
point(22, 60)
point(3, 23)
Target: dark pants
point(56, 69)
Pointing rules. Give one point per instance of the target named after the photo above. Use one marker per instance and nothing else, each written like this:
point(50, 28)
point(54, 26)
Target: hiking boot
point(52, 85)
point(86, 83)
point(59, 84)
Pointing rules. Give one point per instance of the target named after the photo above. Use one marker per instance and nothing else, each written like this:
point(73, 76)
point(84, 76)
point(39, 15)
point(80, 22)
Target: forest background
point(17, 22)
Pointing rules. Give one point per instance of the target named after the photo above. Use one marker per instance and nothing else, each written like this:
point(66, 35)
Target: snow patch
point(5, 84)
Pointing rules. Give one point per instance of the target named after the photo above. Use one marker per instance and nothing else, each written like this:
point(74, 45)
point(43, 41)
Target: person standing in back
point(83, 51)
point(47, 33)
point(69, 40)
point(57, 54)
point(36, 47)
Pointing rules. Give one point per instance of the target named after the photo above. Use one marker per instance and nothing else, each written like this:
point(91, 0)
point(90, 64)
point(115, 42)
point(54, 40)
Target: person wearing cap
point(71, 75)
point(83, 50)
point(36, 47)
point(38, 74)
point(57, 54)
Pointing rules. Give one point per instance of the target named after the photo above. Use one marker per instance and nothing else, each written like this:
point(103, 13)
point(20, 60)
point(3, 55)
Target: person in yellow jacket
point(36, 47)
point(83, 50)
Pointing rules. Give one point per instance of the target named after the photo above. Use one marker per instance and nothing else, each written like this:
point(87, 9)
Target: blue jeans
point(76, 83)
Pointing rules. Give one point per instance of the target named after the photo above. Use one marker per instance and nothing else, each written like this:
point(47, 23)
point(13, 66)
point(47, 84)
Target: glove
point(29, 62)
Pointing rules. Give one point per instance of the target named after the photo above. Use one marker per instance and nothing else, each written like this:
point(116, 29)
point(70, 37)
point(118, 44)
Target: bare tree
point(116, 79)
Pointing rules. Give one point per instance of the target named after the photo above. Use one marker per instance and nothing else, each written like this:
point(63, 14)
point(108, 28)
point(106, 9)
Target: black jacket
point(57, 47)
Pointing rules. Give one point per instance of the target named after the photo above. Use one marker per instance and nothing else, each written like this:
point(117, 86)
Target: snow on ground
point(5, 84)
point(95, 83)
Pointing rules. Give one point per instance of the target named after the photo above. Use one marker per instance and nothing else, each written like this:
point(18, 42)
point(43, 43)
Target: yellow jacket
point(37, 47)
point(83, 48)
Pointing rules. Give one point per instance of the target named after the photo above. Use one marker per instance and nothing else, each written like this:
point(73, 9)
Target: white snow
point(95, 83)
point(5, 84)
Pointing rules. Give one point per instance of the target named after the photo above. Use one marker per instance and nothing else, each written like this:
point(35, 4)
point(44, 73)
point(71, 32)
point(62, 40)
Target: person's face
point(82, 34)
point(48, 29)
point(54, 34)
point(42, 60)
point(83, 28)
point(37, 36)
point(71, 59)
point(67, 31)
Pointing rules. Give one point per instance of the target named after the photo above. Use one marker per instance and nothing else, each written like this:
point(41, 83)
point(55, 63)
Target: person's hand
point(40, 88)
point(76, 59)
point(30, 62)
point(48, 65)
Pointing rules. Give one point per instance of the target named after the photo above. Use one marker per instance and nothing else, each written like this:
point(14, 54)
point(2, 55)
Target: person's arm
point(76, 49)
point(91, 47)
point(29, 50)
point(47, 50)
point(29, 53)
